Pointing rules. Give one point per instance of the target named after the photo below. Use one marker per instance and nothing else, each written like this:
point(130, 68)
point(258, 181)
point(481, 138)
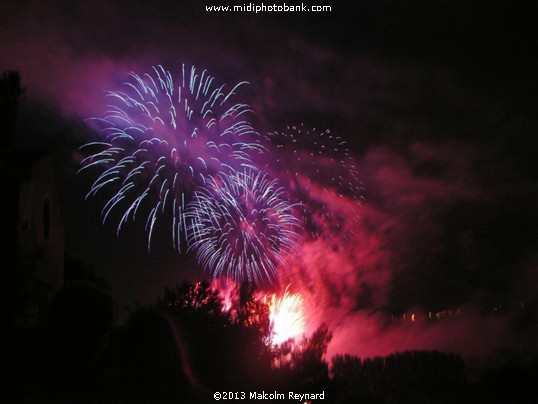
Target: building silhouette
point(32, 235)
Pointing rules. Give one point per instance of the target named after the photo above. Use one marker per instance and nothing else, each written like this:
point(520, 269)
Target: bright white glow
point(287, 316)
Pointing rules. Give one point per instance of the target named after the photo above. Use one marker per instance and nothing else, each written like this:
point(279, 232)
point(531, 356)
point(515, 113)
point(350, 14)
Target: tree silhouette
point(198, 298)
point(349, 383)
point(252, 313)
point(300, 365)
point(408, 377)
point(220, 340)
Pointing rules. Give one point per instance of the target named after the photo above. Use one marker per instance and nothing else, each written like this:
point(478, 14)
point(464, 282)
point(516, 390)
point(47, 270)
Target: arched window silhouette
point(46, 219)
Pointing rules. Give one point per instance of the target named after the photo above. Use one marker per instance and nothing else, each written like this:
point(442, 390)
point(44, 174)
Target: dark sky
point(438, 101)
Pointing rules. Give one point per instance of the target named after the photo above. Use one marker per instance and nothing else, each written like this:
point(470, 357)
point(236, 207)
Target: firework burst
point(321, 175)
point(161, 140)
point(243, 226)
point(287, 316)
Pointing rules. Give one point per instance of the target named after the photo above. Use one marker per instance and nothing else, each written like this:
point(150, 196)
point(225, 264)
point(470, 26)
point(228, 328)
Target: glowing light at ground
point(287, 316)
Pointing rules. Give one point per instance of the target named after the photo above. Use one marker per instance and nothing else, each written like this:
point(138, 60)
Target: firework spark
point(243, 227)
point(161, 140)
point(287, 316)
point(319, 171)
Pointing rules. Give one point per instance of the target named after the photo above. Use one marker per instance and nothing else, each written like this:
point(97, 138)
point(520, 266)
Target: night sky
point(438, 104)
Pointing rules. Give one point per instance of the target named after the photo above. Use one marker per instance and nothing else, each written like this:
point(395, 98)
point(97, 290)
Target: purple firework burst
point(162, 139)
point(243, 226)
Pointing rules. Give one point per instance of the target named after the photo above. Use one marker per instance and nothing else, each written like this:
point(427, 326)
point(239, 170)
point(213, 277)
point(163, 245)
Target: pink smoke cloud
point(352, 288)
